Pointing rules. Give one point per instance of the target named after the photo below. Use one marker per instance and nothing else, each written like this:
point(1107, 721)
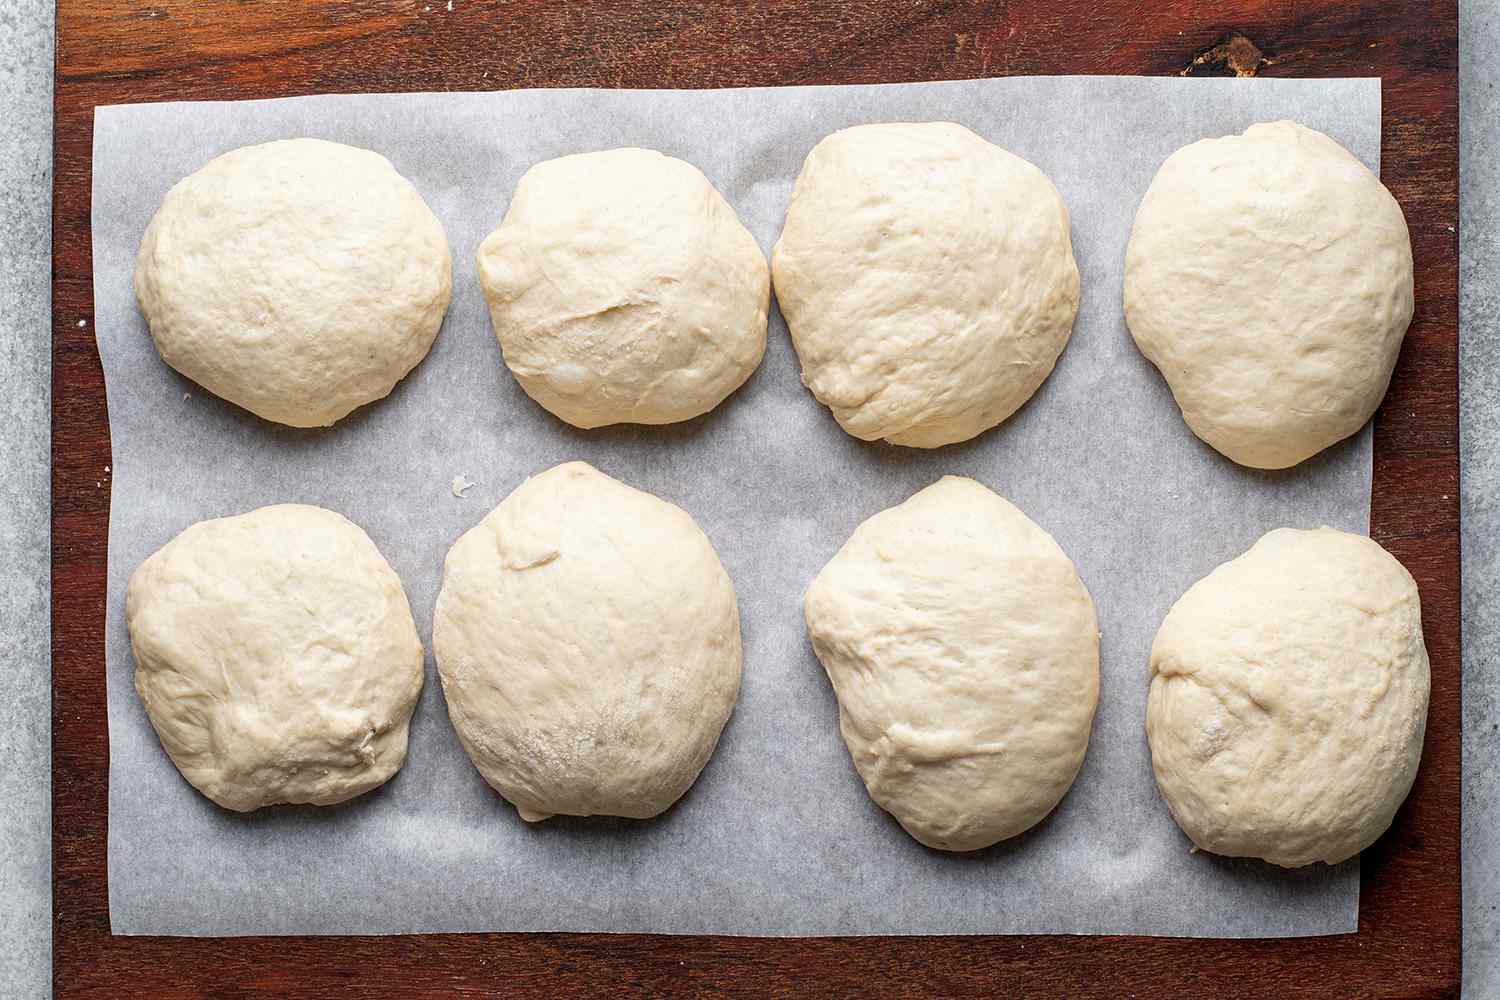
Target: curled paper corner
point(461, 483)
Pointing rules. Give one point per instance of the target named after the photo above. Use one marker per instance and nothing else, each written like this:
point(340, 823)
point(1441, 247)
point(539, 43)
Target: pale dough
point(1269, 277)
point(623, 289)
point(1289, 698)
point(299, 279)
point(927, 278)
point(964, 651)
point(588, 640)
point(276, 656)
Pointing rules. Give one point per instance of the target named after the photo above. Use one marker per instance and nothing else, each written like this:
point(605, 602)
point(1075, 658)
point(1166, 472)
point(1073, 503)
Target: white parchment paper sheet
point(778, 836)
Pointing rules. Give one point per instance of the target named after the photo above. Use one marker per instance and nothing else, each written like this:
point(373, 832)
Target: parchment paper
point(778, 837)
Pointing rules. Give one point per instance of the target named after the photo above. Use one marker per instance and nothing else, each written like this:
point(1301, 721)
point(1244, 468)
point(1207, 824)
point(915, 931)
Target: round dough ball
point(1269, 277)
point(964, 651)
point(927, 278)
point(623, 289)
point(276, 656)
point(299, 279)
point(1289, 698)
point(589, 644)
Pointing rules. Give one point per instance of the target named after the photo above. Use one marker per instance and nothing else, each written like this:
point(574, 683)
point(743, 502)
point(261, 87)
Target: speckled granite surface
point(1479, 404)
point(25, 374)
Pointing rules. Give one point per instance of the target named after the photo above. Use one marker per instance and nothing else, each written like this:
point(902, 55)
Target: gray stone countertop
point(25, 491)
point(25, 299)
point(1479, 437)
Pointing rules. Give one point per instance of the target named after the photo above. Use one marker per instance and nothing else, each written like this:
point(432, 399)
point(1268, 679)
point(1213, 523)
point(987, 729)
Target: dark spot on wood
point(1234, 55)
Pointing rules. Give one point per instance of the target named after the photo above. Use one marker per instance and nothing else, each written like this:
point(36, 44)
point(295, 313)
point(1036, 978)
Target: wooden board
point(115, 51)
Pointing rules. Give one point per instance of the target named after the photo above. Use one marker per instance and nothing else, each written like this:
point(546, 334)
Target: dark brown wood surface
point(115, 51)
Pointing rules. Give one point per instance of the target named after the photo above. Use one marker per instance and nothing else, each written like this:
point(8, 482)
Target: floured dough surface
point(624, 289)
point(1269, 277)
point(588, 640)
point(927, 278)
point(299, 279)
point(1289, 698)
point(964, 651)
point(276, 656)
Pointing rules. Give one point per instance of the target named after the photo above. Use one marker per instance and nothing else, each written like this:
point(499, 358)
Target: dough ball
point(965, 655)
point(623, 289)
point(276, 656)
point(1269, 277)
point(1288, 699)
point(589, 644)
point(299, 279)
point(927, 278)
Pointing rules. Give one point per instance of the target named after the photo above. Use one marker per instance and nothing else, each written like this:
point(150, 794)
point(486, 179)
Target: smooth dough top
point(276, 656)
point(927, 278)
point(624, 289)
point(964, 651)
point(299, 279)
point(588, 640)
point(1269, 277)
point(1289, 698)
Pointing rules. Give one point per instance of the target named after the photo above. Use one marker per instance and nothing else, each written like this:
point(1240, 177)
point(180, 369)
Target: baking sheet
point(778, 837)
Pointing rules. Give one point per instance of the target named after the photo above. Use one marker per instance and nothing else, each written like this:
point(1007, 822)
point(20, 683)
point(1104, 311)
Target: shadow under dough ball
point(927, 279)
point(623, 289)
point(276, 656)
point(588, 639)
point(1288, 699)
point(1269, 277)
point(964, 651)
point(299, 279)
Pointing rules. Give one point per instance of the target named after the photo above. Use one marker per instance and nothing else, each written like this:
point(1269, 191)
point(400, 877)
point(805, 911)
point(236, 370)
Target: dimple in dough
point(276, 656)
point(964, 651)
point(623, 289)
point(299, 279)
point(1269, 277)
point(588, 639)
point(927, 279)
point(1289, 699)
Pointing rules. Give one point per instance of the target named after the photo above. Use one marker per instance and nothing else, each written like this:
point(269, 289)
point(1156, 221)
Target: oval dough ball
point(927, 278)
point(623, 289)
point(276, 656)
point(964, 651)
point(1269, 277)
point(589, 644)
point(299, 279)
point(1289, 698)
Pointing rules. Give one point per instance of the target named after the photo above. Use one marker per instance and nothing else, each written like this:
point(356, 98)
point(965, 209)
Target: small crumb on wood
point(82, 323)
point(461, 483)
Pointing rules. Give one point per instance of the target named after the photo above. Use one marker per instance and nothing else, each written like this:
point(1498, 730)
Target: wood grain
point(114, 51)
